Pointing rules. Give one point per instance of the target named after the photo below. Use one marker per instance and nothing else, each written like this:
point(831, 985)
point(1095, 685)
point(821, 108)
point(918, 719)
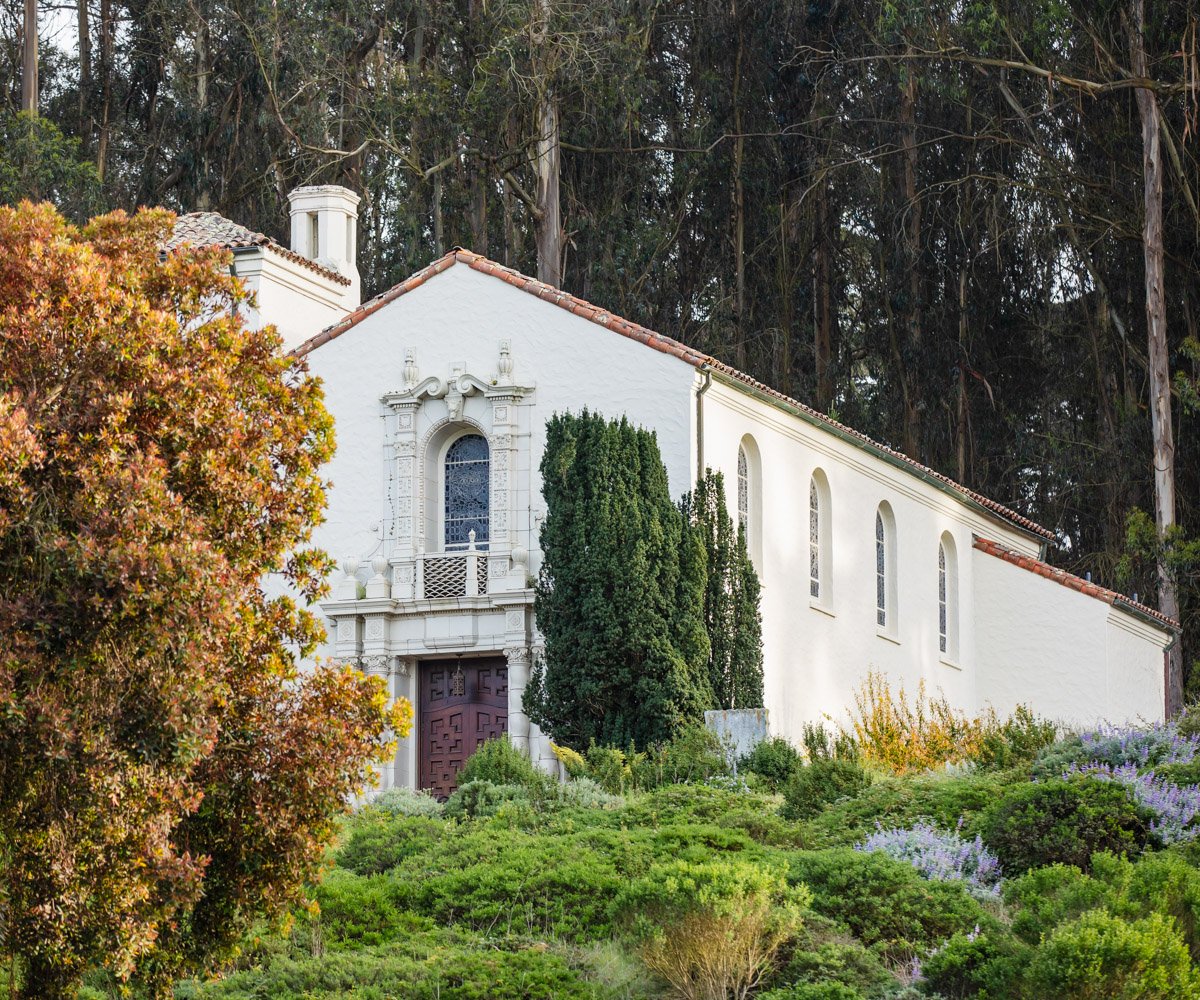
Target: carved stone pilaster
point(518, 680)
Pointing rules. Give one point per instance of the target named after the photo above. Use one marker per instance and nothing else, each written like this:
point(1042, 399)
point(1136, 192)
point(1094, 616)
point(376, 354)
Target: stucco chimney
point(325, 229)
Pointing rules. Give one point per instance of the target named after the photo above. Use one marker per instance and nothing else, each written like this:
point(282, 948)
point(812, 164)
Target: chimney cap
point(310, 197)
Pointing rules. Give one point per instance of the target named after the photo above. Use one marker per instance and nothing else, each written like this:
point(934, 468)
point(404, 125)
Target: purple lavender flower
point(1146, 746)
point(1175, 806)
point(942, 855)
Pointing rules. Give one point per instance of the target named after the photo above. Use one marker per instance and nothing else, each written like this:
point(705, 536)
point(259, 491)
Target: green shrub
point(1065, 821)
point(584, 793)
point(480, 797)
point(609, 768)
point(824, 954)
point(1016, 742)
point(774, 761)
point(885, 902)
point(813, 991)
point(1101, 956)
point(406, 802)
point(353, 911)
point(1161, 883)
point(939, 798)
point(711, 930)
point(1060, 755)
point(442, 964)
point(496, 879)
point(502, 763)
point(820, 742)
point(975, 964)
point(823, 781)
point(378, 841)
point(694, 755)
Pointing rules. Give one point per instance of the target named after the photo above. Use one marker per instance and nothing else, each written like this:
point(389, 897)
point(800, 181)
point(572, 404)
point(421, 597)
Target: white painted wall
point(817, 653)
point(460, 316)
point(1066, 654)
point(299, 301)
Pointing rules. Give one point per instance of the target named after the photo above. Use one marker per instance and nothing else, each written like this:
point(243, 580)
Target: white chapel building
point(441, 388)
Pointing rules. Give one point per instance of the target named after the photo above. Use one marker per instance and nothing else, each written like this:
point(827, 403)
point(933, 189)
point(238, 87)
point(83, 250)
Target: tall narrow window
point(467, 504)
point(814, 540)
point(743, 499)
point(820, 541)
point(948, 598)
point(942, 621)
point(881, 608)
point(886, 617)
point(750, 498)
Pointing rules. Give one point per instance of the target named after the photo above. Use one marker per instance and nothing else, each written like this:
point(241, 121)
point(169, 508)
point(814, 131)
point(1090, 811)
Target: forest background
point(970, 228)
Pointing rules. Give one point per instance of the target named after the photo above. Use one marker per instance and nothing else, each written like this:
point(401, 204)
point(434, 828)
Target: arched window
point(885, 569)
point(749, 498)
point(947, 598)
point(820, 542)
point(743, 480)
point(466, 484)
point(881, 570)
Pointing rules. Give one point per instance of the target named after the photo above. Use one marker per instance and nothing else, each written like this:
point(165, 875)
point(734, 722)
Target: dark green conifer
point(731, 598)
point(619, 597)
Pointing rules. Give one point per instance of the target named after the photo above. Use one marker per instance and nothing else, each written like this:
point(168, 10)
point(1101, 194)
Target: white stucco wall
point(817, 653)
point(460, 317)
point(1068, 655)
point(299, 301)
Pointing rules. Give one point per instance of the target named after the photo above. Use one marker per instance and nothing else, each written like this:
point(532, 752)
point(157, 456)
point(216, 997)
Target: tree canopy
point(166, 772)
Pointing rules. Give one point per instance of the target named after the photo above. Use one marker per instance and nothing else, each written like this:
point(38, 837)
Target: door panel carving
point(461, 704)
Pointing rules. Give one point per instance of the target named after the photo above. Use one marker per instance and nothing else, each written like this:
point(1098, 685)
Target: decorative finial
point(412, 374)
point(506, 362)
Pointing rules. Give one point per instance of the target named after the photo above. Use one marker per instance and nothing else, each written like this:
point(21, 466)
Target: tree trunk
point(85, 71)
point(739, 204)
point(29, 60)
point(1156, 329)
point(106, 56)
point(912, 238)
point(547, 153)
point(825, 313)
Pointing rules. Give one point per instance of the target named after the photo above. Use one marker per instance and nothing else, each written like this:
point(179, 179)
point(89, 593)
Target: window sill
point(889, 636)
point(952, 664)
point(823, 608)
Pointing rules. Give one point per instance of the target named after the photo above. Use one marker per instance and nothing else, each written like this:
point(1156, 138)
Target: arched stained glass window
point(814, 539)
point(743, 474)
point(881, 588)
point(942, 618)
point(467, 504)
point(948, 598)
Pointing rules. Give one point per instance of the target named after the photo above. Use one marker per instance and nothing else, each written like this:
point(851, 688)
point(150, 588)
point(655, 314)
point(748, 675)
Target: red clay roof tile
point(206, 229)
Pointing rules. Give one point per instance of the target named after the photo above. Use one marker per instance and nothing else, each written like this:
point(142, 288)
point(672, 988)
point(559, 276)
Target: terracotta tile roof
point(206, 229)
point(1073, 582)
point(668, 346)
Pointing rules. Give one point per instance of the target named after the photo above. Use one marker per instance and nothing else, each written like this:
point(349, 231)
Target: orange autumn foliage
point(167, 773)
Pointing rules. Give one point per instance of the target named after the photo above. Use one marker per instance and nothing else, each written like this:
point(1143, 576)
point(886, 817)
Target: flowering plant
point(940, 854)
point(1161, 743)
point(1175, 807)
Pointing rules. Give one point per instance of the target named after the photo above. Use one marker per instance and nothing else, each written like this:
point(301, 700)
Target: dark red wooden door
point(461, 704)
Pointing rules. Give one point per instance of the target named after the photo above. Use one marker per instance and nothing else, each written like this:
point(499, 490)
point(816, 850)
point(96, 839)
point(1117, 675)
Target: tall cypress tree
point(731, 598)
point(620, 594)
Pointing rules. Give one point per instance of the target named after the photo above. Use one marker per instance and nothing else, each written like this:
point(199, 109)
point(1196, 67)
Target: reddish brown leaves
point(165, 771)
